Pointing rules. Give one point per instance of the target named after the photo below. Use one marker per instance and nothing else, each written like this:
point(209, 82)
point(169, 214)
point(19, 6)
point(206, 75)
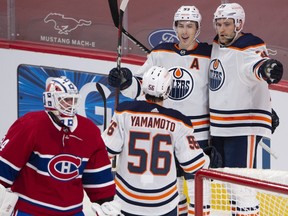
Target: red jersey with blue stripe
point(49, 167)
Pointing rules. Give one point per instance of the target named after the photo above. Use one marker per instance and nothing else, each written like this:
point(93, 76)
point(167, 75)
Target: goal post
point(229, 187)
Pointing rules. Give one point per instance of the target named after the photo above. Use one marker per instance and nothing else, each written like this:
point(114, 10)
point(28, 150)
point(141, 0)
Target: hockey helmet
point(61, 95)
point(157, 81)
point(190, 13)
point(230, 11)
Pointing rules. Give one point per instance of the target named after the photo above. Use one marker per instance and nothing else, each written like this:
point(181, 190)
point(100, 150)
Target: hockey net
point(241, 192)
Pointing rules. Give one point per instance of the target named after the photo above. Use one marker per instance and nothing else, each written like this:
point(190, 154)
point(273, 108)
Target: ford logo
point(162, 36)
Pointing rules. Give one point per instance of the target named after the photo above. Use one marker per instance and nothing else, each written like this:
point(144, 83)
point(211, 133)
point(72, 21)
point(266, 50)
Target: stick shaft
point(103, 96)
point(123, 6)
point(115, 16)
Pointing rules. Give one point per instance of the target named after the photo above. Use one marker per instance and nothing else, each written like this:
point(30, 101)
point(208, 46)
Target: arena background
point(79, 37)
point(88, 23)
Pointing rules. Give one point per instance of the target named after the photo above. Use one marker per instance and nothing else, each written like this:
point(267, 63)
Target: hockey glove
point(8, 200)
point(275, 120)
point(120, 79)
point(271, 71)
point(112, 208)
point(215, 157)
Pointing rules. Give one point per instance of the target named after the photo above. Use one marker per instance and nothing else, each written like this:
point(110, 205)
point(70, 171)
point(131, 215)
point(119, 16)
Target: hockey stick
point(115, 16)
point(267, 149)
point(123, 6)
point(103, 96)
point(101, 92)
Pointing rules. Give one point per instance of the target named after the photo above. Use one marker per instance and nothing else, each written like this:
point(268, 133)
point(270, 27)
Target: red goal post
point(271, 182)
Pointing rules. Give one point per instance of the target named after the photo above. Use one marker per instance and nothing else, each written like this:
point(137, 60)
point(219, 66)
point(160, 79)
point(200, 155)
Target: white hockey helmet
point(230, 11)
point(157, 81)
point(61, 95)
point(190, 13)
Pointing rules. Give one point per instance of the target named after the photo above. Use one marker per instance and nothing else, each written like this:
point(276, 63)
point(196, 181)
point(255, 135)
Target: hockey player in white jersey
point(188, 63)
point(240, 104)
point(148, 137)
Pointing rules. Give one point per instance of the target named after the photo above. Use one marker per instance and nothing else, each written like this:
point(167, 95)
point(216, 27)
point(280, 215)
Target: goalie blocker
point(8, 201)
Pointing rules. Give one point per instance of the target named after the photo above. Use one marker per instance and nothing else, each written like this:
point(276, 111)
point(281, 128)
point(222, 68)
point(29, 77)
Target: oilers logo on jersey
point(183, 83)
point(216, 75)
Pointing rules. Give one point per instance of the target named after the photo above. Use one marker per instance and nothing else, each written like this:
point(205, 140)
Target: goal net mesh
point(243, 191)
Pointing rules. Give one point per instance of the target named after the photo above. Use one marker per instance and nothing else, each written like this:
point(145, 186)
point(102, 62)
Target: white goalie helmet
point(157, 81)
point(230, 11)
point(61, 95)
point(190, 13)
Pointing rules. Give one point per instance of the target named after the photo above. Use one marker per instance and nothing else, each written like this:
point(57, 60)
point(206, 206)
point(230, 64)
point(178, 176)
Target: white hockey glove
point(8, 201)
point(112, 208)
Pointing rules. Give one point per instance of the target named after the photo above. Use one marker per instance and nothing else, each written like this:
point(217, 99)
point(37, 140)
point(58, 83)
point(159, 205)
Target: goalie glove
point(112, 208)
point(8, 201)
point(120, 79)
point(271, 71)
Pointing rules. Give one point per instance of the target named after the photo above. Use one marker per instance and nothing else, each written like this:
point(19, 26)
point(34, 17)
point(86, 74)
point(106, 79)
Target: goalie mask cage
point(241, 192)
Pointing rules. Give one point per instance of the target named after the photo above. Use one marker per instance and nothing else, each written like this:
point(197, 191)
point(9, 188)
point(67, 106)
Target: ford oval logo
point(162, 36)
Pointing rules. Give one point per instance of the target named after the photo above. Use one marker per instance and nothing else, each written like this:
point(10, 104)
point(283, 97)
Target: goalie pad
point(8, 201)
point(112, 208)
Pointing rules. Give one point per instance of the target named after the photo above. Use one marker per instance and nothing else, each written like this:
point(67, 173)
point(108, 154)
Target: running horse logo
point(63, 24)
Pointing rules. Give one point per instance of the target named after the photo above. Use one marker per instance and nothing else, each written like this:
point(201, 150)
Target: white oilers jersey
point(239, 98)
point(147, 138)
point(189, 93)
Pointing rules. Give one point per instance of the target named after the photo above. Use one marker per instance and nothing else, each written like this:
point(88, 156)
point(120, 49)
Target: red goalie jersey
point(48, 167)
